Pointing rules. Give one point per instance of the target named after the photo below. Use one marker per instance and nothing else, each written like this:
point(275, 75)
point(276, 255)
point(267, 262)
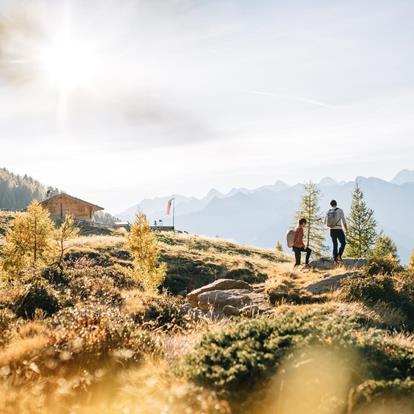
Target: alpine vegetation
point(362, 226)
point(311, 211)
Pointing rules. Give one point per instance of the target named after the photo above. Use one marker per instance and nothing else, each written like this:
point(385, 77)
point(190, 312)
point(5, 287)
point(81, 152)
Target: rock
point(325, 263)
point(230, 310)
point(217, 299)
point(328, 284)
point(250, 311)
point(219, 284)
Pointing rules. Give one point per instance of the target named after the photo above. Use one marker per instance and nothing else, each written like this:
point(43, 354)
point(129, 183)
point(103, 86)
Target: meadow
point(86, 338)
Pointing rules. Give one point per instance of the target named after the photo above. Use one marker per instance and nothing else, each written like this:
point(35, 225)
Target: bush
point(36, 296)
point(385, 265)
point(77, 348)
point(55, 276)
point(84, 266)
point(398, 395)
point(246, 354)
point(94, 332)
point(397, 291)
point(369, 289)
point(6, 318)
point(157, 311)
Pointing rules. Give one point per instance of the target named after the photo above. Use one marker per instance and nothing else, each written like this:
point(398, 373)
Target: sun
point(68, 63)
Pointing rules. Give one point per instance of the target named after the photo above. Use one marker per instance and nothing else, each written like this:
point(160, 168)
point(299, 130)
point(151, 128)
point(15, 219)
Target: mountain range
point(261, 216)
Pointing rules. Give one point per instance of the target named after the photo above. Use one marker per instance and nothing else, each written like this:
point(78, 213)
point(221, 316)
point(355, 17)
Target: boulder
point(325, 263)
point(219, 284)
point(328, 284)
point(218, 299)
point(230, 310)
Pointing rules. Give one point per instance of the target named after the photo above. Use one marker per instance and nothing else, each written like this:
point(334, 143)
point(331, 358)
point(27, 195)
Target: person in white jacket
point(335, 220)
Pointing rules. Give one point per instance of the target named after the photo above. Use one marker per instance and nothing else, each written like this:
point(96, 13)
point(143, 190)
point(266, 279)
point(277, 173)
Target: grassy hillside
point(87, 339)
point(192, 261)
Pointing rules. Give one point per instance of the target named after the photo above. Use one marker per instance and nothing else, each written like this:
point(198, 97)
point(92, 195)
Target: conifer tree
point(29, 241)
point(310, 210)
point(361, 226)
point(143, 246)
point(279, 247)
point(385, 246)
point(411, 264)
point(67, 230)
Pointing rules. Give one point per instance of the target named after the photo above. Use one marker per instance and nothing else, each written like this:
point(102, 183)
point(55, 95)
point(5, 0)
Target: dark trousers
point(338, 235)
point(298, 253)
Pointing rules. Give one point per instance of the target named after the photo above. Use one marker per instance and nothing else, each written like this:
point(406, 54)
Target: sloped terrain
point(87, 339)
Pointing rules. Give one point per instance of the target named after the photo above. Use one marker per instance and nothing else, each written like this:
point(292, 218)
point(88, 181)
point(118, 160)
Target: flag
point(169, 204)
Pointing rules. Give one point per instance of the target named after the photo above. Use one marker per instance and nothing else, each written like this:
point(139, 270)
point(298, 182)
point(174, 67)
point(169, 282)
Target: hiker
point(299, 245)
point(335, 220)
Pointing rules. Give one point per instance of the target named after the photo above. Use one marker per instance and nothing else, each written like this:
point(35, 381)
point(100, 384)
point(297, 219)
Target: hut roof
point(95, 207)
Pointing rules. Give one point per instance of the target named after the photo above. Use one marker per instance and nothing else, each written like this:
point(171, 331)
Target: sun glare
point(68, 63)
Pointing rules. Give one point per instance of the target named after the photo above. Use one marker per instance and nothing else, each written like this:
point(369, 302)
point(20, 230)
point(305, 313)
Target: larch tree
point(362, 226)
point(279, 247)
point(385, 246)
point(142, 244)
point(310, 210)
point(29, 241)
point(411, 264)
point(67, 230)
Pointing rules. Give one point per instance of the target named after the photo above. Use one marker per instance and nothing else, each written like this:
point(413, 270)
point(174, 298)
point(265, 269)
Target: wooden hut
point(61, 205)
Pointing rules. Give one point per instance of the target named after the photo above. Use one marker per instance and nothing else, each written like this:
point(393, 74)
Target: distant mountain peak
point(213, 193)
point(327, 182)
point(404, 176)
point(235, 191)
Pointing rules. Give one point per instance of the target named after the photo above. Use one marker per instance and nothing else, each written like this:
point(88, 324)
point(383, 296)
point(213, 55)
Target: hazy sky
point(115, 101)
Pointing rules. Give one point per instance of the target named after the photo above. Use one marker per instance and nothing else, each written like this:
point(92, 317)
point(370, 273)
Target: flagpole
point(174, 213)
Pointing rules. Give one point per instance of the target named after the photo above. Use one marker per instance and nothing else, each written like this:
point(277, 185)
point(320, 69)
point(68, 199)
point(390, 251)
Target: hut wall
point(61, 206)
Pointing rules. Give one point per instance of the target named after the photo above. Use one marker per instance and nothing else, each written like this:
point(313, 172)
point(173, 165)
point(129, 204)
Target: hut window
point(81, 209)
point(52, 209)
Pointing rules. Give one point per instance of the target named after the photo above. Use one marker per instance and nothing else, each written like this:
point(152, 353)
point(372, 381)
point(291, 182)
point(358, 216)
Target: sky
point(116, 101)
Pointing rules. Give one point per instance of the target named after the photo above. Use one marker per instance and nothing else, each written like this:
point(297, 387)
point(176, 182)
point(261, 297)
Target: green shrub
point(396, 291)
point(397, 394)
point(243, 356)
point(36, 296)
point(385, 265)
point(369, 289)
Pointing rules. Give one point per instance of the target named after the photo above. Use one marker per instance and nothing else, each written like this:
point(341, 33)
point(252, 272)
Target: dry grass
point(95, 243)
point(113, 349)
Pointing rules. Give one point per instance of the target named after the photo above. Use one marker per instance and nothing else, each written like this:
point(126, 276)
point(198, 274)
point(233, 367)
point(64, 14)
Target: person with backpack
point(335, 220)
point(298, 244)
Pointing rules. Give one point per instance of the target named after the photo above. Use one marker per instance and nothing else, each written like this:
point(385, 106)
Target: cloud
point(294, 98)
